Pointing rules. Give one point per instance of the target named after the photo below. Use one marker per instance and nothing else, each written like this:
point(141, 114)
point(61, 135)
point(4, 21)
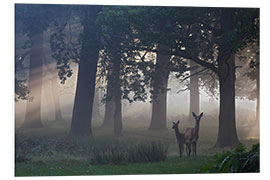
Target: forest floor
point(46, 152)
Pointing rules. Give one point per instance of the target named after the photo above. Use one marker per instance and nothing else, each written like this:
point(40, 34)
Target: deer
point(180, 138)
point(192, 135)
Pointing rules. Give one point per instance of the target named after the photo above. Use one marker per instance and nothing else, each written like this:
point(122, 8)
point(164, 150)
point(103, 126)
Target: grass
point(75, 161)
point(173, 165)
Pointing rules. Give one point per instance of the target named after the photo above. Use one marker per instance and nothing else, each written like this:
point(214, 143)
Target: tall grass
point(95, 151)
point(119, 152)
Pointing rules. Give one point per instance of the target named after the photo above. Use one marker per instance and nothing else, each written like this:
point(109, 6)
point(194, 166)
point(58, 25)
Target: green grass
point(173, 165)
point(65, 163)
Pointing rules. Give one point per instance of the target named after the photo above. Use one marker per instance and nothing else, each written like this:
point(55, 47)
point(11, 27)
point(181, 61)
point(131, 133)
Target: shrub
point(113, 153)
point(147, 152)
point(117, 153)
point(237, 161)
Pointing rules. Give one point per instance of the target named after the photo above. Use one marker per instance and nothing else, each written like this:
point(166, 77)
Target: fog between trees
point(159, 56)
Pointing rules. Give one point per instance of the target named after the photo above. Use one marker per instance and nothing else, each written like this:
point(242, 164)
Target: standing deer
point(192, 135)
point(180, 138)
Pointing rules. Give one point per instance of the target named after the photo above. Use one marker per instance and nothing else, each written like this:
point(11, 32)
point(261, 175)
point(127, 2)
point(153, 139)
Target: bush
point(113, 153)
point(99, 151)
point(237, 161)
point(147, 152)
point(117, 153)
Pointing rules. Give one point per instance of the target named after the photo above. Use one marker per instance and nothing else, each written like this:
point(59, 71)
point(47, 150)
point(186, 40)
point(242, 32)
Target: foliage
point(30, 20)
point(147, 152)
point(118, 152)
point(248, 72)
point(98, 151)
point(33, 19)
point(237, 161)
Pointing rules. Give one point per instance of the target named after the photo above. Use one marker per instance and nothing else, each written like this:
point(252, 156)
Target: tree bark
point(159, 110)
point(109, 107)
point(33, 109)
point(85, 89)
point(258, 97)
point(160, 83)
point(96, 113)
point(56, 100)
point(227, 134)
point(194, 95)
point(117, 96)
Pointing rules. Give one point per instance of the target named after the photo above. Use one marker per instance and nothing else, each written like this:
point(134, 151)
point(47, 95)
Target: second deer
point(192, 135)
point(180, 138)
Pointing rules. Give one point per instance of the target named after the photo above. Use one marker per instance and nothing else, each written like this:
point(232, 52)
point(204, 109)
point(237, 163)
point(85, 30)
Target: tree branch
point(193, 74)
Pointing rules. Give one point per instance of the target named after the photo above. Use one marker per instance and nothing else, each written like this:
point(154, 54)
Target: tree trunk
point(194, 96)
point(109, 107)
point(55, 95)
point(117, 96)
point(85, 89)
point(227, 134)
point(118, 113)
point(33, 109)
point(258, 97)
point(159, 100)
point(96, 114)
point(159, 110)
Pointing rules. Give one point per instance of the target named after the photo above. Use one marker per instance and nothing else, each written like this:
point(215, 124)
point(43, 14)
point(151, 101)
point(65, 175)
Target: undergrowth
point(94, 151)
point(239, 160)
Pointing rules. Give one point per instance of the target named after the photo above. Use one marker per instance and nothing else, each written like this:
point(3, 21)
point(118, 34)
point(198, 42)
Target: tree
point(77, 39)
point(194, 95)
point(214, 35)
point(159, 93)
point(109, 106)
point(33, 109)
point(124, 79)
point(33, 20)
point(248, 83)
point(85, 88)
point(51, 68)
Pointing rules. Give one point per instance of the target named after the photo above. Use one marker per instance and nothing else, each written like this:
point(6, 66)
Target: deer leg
point(180, 150)
point(187, 149)
point(195, 149)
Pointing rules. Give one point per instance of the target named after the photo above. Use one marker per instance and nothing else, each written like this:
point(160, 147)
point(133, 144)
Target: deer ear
point(194, 114)
point(201, 114)
point(178, 122)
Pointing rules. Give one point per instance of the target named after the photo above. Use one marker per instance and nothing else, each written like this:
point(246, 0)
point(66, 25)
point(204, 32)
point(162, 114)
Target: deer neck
point(177, 133)
point(196, 129)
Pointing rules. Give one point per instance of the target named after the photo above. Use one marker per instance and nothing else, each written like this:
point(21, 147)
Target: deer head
point(197, 118)
point(175, 125)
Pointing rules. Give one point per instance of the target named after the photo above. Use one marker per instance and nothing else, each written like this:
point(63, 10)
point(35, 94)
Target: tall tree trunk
point(227, 135)
point(109, 107)
point(258, 97)
point(51, 66)
point(194, 96)
point(55, 95)
point(159, 110)
point(96, 113)
point(33, 109)
point(117, 96)
point(160, 83)
point(85, 89)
